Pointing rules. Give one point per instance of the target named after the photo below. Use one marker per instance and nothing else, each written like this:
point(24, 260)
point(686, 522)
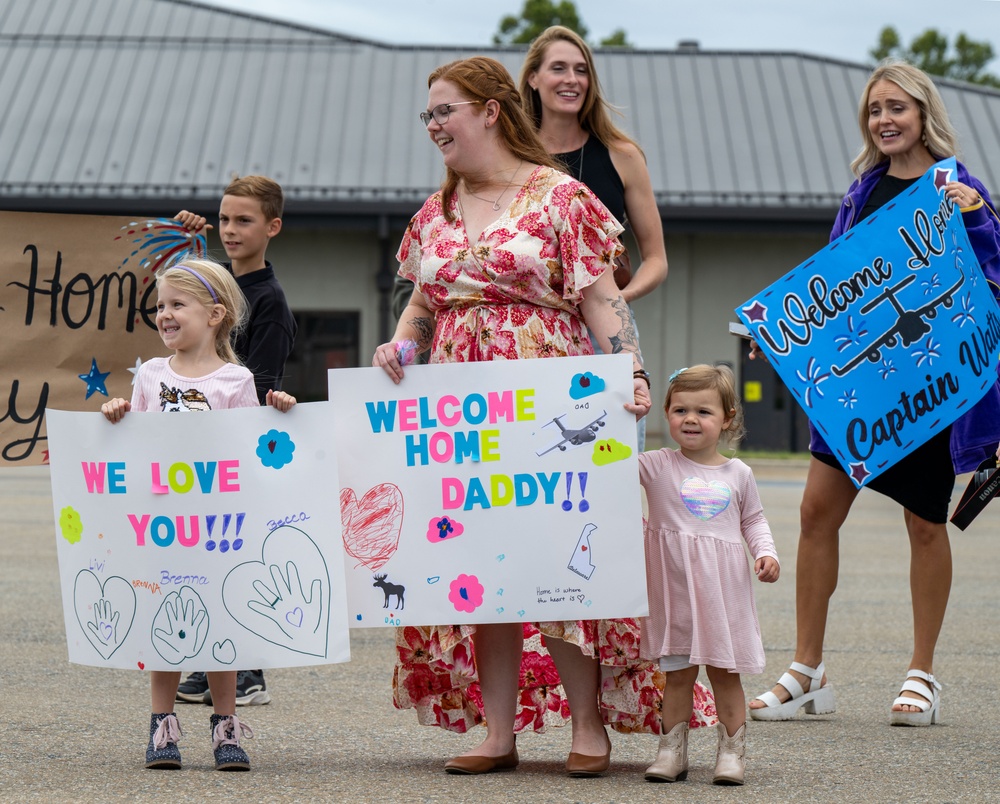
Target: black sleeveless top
point(888, 187)
point(592, 165)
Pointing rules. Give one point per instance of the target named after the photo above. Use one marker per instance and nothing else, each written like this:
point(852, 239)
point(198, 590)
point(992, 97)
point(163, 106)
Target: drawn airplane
point(909, 327)
point(574, 438)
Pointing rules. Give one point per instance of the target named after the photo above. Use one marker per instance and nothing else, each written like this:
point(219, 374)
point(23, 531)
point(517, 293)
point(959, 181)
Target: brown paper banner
point(77, 311)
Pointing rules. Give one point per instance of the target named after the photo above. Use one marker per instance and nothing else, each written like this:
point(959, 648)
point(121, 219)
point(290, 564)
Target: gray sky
point(844, 29)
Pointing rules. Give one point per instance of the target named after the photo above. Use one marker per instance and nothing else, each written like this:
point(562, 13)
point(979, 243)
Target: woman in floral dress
point(509, 261)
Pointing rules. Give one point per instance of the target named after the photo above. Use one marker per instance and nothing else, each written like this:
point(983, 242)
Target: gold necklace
point(496, 204)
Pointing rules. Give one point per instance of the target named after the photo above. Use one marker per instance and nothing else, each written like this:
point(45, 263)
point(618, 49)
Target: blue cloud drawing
point(585, 384)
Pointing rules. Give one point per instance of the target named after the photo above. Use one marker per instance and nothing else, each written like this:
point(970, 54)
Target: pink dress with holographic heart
point(701, 601)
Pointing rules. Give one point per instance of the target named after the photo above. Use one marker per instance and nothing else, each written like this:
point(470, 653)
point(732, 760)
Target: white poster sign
point(204, 541)
point(490, 492)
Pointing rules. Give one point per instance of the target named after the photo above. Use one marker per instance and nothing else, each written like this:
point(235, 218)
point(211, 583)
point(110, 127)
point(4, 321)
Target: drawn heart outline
point(88, 590)
point(284, 547)
point(371, 525)
point(224, 652)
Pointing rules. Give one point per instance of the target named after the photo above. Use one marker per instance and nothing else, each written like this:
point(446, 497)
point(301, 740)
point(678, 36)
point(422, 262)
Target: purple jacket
point(975, 435)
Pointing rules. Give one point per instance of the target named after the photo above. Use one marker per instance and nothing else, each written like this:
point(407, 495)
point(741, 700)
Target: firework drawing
point(161, 242)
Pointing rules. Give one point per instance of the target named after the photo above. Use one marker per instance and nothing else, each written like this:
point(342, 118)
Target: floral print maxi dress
point(513, 295)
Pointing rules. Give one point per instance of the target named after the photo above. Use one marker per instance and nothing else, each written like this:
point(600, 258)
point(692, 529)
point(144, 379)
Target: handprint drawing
point(105, 611)
point(104, 626)
point(285, 597)
point(180, 627)
point(286, 603)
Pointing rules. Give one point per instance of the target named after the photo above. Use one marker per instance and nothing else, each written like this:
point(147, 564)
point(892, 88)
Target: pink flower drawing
point(466, 593)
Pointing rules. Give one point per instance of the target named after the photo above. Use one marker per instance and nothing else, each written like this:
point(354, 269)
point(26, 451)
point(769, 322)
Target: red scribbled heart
point(371, 525)
point(142, 665)
point(584, 382)
point(271, 445)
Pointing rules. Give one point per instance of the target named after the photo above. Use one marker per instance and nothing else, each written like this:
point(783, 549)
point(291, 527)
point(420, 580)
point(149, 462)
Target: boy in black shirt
point(249, 216)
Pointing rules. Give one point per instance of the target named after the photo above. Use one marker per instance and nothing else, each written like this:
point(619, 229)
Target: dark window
point(325, 340)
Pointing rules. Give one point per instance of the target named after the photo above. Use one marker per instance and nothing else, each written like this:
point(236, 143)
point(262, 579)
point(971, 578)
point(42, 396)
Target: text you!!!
point(204, 477)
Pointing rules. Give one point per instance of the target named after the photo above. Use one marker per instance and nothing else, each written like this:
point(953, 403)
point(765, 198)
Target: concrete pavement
point(71, 733)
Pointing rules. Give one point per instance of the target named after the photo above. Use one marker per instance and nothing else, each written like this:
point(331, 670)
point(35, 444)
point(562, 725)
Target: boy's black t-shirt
point(265, 344)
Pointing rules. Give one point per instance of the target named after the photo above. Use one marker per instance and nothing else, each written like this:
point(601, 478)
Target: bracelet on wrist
point(642, 374)
point(406, 352)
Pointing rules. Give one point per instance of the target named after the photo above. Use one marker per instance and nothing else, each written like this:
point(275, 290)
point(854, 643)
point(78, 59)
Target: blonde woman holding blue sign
point(905, 130)
point(510, 261)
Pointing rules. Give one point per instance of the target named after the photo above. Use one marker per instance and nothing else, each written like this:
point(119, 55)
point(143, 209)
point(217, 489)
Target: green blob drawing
point(70, 524)
point(610, 451)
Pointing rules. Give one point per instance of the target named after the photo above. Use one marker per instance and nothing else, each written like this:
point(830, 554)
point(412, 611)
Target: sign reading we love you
point(888, 334)
point(490, 492)
point(200, 541)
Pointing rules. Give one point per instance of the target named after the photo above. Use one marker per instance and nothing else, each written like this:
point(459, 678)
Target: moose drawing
point(390, 589)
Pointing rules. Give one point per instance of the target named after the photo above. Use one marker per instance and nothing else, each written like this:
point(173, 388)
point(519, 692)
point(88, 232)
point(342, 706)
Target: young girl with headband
point(702, 508)
point(199, 307)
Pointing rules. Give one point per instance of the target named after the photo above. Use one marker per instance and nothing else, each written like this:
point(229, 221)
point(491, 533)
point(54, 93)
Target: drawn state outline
point(581, 561)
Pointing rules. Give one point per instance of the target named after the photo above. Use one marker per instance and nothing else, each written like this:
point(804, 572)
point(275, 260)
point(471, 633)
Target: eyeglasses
point(441, 112)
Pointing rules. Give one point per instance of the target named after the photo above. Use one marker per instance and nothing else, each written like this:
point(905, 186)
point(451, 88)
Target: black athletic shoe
point(194, 689)
point(251, 689)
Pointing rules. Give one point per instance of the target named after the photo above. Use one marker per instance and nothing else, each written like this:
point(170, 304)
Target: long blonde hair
point(211, 284)
point(595, 114)
point(481, 78)
point(939, 135)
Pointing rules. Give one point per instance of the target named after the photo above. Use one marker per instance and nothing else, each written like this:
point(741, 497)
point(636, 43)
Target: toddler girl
point(702, 507)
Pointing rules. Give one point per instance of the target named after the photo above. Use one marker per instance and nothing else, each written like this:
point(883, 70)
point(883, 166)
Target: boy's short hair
point(266, 191)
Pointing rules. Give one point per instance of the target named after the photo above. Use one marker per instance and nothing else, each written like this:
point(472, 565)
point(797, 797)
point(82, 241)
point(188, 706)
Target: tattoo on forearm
point(424, 328)
point(625, 340)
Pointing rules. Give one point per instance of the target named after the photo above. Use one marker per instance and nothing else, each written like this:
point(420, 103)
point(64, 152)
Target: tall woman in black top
point(561, 93)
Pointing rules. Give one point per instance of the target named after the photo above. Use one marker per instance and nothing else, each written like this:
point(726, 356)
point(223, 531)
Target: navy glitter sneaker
point(226, 733)
point(194, 689)
point(164, 732)
point(251, 689)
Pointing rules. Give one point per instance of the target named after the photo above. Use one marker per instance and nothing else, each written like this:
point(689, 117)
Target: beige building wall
point(687, 320)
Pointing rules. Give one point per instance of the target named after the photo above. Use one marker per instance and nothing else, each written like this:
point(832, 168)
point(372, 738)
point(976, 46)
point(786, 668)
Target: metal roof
point(105, 104)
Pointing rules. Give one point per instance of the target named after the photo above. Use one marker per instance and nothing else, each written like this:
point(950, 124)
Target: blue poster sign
point(888, 334)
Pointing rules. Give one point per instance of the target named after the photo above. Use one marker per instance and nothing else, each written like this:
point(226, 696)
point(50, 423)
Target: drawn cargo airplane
point(574, 438)
point(910, 325)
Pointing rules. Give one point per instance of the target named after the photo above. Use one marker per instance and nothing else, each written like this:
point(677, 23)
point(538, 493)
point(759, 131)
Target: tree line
point(965, 60)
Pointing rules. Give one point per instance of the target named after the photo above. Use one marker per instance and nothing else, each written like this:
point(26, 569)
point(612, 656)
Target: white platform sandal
point(929, 702)
point(817, 700)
